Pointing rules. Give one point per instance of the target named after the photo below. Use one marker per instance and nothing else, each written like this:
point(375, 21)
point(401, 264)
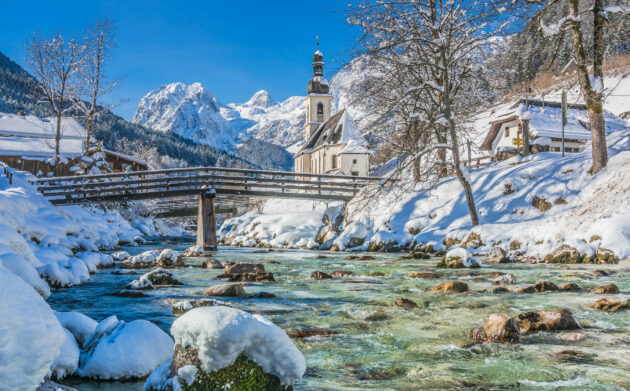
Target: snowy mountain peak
point(260, 99)
point(190, 111)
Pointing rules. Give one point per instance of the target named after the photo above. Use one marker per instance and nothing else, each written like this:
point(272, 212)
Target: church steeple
point(318, 101)
point(318, 84)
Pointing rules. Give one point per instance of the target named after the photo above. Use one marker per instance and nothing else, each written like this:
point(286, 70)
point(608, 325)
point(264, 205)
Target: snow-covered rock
point(81, 326)
point(221, 334)
point(120, 350)
point(30, 335)
point(18, 265)
point(120, 255)
point(68, 360)
point(155, 277)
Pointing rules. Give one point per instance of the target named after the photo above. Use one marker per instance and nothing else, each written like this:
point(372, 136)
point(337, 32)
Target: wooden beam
point(206, 221)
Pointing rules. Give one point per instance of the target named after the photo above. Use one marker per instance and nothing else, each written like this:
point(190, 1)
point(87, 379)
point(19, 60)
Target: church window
point(334, 161)
point(507, 131)
point(354, 173)
point(320, 112)
point(354, 161)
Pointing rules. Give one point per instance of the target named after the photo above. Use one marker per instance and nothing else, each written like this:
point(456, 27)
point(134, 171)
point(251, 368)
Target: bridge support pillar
point(206, 219)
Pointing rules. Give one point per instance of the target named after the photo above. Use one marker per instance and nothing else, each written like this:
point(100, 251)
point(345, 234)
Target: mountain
point(160, 149)
point(188, 111)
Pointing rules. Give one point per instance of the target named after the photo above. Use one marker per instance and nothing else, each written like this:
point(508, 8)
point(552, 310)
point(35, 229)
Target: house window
point(507, 131)
point(354, 161)
point(354, 173)
point(334, 161)
point(320, 112)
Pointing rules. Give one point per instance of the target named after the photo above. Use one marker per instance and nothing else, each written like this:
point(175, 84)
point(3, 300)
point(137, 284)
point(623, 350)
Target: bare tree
point(98, 41)
point(53, 62)
point(427, 55)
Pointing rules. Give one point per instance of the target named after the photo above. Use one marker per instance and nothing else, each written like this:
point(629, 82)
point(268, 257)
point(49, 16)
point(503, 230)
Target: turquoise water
point(379, 347)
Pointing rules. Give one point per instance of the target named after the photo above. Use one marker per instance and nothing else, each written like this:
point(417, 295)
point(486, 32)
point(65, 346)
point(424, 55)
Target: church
point(332, 144)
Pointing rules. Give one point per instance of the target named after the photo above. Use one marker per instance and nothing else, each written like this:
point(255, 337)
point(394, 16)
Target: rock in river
point(547, 320)
point(319, 275)
point(310, 332)
point(450, 287)
point(611, 305)
point(545, 286)
point(424, 275)
point(498, 328)
point(606, 289)
point(242, 267)
point(570, 286)
point(404, 303)
point(225, 290)
point(505, 279)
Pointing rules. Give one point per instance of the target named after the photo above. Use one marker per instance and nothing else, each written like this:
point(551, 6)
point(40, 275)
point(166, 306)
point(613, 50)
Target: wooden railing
point(176, 182)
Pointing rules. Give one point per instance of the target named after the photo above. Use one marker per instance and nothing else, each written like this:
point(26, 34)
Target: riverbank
point(529, 206)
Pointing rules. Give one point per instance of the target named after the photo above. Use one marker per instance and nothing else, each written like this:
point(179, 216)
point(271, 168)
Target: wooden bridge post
point(206, 221)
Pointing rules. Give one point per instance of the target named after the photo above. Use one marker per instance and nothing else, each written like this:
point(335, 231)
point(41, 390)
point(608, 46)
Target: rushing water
point(380, 347)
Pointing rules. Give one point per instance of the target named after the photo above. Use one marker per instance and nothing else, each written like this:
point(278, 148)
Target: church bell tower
point(318, 101)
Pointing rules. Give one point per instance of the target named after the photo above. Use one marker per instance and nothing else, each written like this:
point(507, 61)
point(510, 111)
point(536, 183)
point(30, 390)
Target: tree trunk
point(90, 122)
point(593, 99)
point(470, 200)
point(58, 138)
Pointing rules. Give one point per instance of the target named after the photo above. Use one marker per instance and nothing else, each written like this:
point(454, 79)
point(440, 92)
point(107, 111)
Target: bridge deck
point(161, 184)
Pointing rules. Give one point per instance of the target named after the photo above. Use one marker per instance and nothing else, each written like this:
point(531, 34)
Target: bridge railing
point(187, 181)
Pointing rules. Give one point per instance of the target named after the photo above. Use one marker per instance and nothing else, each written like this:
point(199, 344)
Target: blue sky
point(234, 48)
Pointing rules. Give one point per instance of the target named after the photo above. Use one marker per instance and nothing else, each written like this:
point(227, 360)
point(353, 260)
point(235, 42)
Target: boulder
point(570, 286)
point(473, 240)
point(128, 293)
point(564, 254)
point(404, 303)
point(606, 289)
point(120, 255)
point(194, 251)
point(242, 267)
point(424, 275)
point(169, 258)
point(211, 263)
point(526, 289)
point(611, 305)
point(600, 273)
point(572, 356)
point(500, 328)
point(112, 351)
point(450, 287)
point(459, 258)
point(505, 279)
point(499, 289)
point(225, 290)
point(249, 277)
point(161, 277)
point(319, 275)
point(547, 320)
point(341, 273)
point(307, 332)
point(352, 257)
point(366, 258)
point(545, 286)
point(606, 256)
point(181, 306)
point(416, 255)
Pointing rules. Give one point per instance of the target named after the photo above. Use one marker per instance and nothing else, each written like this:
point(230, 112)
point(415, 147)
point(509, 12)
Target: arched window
point(334, 161)
point(320, 112)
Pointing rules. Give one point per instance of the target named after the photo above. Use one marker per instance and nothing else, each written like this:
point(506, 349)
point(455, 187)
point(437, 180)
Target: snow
point(220, 334)
point(120, 255)
point(68, 360)
point(81, 326)
point(148, 256)
point(34, 136)
point(187, 373)
point(30, 335)
point(464, 255)
point(120, 350)
point(18, 265)
point(355, 143)
point(283, 223)
point(159, 379)
point(168, 255)
point(595, 205)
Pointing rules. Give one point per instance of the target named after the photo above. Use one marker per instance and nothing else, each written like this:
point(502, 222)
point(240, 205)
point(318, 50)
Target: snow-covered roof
point(545, 120)
point(337, 130)
point(35, 136)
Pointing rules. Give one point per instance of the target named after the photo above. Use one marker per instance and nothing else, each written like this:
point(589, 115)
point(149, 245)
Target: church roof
point(338, 129)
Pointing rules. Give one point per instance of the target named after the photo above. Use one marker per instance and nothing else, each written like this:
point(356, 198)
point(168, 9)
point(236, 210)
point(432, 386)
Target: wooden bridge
point(233, 185)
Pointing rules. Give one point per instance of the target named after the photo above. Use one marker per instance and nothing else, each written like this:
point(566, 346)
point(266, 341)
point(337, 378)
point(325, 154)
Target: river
point(380, 347)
